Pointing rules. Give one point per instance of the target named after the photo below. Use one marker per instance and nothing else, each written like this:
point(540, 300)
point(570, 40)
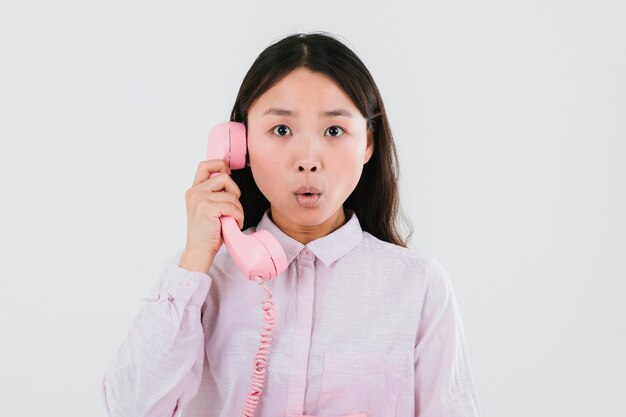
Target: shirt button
point(305, 252)
point(184, 283)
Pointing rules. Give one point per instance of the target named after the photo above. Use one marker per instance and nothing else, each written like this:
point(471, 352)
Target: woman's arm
point(444, 384)
point(158, 367)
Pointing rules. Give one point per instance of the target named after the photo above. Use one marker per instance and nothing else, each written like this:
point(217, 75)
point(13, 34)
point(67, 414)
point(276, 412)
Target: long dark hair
point(375, 200)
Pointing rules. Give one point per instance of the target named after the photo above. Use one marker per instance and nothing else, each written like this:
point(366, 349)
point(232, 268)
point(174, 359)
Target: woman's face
point(292, 142)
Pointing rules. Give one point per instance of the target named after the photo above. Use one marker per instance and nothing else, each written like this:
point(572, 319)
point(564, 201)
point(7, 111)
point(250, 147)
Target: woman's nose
point(309, 153)
point(307, 166)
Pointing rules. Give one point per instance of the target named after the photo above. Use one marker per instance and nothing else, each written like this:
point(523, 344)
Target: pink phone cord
point(261, 358)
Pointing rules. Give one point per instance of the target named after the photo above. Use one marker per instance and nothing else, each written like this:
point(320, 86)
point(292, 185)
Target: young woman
point(363, 325)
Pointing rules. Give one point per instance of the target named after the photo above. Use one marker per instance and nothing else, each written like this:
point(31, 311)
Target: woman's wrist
point(196, 260)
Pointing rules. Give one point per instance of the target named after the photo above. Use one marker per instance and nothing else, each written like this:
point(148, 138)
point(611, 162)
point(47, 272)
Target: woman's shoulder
point(388, 252)
point(415, 262)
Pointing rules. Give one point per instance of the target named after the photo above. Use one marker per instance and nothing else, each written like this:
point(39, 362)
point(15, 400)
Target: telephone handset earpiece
point(258, 255)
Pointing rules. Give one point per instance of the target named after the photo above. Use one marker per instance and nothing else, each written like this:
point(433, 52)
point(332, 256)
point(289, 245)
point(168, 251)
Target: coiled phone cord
point(261, 358)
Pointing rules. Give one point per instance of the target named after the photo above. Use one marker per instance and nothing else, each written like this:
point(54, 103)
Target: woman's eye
point(281, 129)
point(334, 130)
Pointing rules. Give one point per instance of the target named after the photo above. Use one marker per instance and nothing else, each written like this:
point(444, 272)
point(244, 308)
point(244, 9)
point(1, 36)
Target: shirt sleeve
point(158, 367)
point(444, 385)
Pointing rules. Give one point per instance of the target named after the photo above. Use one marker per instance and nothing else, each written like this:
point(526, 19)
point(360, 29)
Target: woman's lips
point(308, 189)
point(307, 200)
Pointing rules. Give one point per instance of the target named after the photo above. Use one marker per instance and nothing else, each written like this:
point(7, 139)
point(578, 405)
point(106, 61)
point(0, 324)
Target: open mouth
point(308, 199)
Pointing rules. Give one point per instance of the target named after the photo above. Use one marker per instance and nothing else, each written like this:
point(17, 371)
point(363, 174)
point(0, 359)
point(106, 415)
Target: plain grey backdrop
point(509, 118)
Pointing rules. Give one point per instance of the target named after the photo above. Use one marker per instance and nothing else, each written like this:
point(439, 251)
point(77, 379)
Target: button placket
point(302, 335)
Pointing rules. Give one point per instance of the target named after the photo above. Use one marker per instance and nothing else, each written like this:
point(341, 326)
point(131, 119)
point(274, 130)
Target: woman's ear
point(369, 150)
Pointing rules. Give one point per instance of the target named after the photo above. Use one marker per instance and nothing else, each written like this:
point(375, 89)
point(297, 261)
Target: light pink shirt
point(361, 325)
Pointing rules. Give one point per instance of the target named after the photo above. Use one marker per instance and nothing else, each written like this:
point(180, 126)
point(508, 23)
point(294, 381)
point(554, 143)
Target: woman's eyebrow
point(330, 113)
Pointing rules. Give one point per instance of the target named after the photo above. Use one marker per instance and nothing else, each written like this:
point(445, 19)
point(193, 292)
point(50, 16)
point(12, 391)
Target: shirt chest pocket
point(361, 382)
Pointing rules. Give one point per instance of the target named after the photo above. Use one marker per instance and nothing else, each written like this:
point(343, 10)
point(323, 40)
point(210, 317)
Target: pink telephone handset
point(258, 255)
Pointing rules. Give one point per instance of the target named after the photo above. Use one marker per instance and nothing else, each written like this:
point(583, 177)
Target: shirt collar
point(327, 248)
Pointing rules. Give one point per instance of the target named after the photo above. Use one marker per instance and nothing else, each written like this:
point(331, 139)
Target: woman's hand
point(207, 200)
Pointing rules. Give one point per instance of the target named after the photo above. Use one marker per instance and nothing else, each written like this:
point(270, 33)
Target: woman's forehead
point(302, 95)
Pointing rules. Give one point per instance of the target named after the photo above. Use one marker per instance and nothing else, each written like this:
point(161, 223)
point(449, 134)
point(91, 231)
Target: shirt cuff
point(180, 284)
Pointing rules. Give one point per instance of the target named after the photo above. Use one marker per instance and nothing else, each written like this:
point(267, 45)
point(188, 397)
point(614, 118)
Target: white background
point(509, 118)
